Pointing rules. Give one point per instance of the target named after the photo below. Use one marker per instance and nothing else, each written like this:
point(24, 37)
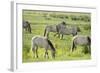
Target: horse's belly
point(64, 31)
point(82, 41)
point(42, 44)
point(53, 30)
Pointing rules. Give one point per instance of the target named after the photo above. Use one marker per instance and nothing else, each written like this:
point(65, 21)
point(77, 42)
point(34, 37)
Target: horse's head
point(53, 50)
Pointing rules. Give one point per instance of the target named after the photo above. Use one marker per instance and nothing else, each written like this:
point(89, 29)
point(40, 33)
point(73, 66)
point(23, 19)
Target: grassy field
point(39, 19)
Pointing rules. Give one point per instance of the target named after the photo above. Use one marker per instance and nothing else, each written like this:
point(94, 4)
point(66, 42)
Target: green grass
point(38, 23)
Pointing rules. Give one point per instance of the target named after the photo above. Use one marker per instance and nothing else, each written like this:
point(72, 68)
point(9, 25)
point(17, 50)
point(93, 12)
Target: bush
point(87, 27)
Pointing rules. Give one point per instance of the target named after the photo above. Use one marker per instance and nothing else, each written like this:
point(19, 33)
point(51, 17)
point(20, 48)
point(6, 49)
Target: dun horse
point(54, 28)
point(43, 42)
point(72, 30)
point(27, 26)
point(61, 29)
point(81, 40)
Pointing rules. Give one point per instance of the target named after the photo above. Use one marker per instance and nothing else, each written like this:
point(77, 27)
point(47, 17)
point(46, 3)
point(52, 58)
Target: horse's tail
point(89, 39)
point(72, 46)
point(57, 29)
point(31, 46)
point(45, 31)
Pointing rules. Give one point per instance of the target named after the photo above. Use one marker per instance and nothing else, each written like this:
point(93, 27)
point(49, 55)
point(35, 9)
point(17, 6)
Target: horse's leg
point(58, 35)
point(73, 46)
point(45, 31)
point(46, 54)
point(36, 51)
point(33, 49)
point(89, 48)
point(55, 34)
point(61, 36)
point(29, 29)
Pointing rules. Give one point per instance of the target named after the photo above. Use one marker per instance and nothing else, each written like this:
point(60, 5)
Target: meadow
point(38, 21)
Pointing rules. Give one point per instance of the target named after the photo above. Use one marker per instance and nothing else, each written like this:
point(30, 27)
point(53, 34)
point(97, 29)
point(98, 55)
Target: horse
point(82, 41)
point(53, 28)
point(72, 30)
point(27, 26)
point(43, 42)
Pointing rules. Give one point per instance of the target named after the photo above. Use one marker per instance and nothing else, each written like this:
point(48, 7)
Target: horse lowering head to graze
point(74, 30)
point(54, 28)
point(43, 42)
point(27, 26)
point(81, 40)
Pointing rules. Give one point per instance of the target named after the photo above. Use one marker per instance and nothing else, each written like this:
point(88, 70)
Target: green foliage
point(87, 27)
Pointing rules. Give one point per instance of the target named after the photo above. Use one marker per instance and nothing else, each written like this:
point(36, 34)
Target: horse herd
point(60, 30)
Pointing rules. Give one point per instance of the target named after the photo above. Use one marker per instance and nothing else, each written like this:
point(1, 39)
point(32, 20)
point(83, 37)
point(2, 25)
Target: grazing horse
point(73, 30)
point(27, 26)
point(81, 40)
point(54, 28)
point(43, 42)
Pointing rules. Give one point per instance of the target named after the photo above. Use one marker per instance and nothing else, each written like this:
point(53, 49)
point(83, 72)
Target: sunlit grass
point(63, 53)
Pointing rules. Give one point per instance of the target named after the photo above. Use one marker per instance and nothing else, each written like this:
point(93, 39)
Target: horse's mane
point(51, 45)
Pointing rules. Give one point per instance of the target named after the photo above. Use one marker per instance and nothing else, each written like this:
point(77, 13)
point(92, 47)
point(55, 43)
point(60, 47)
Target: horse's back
point(38, 37)
point(40, 41)
point(80, 39)
point(51, 28)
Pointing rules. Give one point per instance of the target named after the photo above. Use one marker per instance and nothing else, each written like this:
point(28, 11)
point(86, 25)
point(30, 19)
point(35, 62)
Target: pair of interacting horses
point(60, 29)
